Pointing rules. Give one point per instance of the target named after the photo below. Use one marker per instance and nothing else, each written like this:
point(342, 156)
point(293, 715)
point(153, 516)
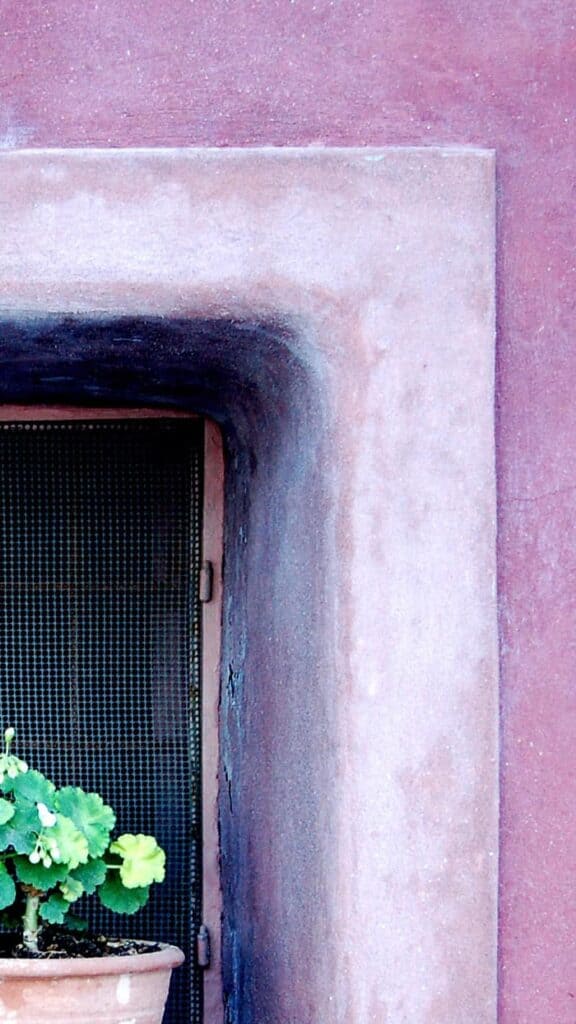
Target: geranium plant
point(56, 845)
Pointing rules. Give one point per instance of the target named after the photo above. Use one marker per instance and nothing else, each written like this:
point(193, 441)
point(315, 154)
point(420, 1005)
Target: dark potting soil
point(55, 944)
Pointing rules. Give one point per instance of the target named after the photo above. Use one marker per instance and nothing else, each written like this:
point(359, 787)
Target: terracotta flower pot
point(91, 990)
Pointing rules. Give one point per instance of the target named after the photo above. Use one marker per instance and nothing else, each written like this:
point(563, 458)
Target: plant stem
point(31, 922)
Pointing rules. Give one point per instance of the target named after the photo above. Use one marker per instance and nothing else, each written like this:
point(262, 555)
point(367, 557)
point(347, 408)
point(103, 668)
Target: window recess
point(100, 640)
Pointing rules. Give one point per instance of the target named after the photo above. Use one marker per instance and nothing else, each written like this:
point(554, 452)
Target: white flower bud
point(47, 861)
point(34, 857)
point(23, 767)
point(9, 734)
point(47, 818)
point(12, 771)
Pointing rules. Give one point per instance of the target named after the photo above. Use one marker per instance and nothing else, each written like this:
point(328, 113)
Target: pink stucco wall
point(341, 72)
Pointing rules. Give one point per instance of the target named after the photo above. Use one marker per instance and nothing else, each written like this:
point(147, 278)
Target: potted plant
point(55, 846)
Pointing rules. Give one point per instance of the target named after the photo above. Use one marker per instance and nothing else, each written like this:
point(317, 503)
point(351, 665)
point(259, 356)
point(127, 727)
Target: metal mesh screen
point(100, 640)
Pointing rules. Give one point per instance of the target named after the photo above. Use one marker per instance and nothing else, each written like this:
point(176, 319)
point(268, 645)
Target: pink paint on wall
point(195, 72)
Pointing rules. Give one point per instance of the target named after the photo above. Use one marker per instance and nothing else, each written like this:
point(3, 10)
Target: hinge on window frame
point(203, 947)
point(206, 582)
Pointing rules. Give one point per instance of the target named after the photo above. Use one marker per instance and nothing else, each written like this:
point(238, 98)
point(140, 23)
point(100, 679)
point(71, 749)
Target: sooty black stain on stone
point(264, 386)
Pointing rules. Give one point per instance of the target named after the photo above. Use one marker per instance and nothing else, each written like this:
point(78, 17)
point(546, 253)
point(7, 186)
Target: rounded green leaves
point(56, 847)
point(90, 815)
point(7, 888)
point(6, 811)
point(115, 896)
point(143, 861)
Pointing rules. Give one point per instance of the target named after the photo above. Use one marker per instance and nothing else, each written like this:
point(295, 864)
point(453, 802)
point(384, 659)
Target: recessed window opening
point(255, 379)
point(100, 642)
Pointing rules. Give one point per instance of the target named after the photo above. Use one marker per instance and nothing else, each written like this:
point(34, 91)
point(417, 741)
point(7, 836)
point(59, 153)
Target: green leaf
point(71, 889)
point(6, 811)
point(11, 918)
point(34, 787)
point(75, 924)
point(10, 767)
point(143, 861)
point(91, 874)
point(21, 831)
point(54, 910)
point(7, 888)
point(71, 844)
point(90, 815)
point(37, 875)
point(114, 896)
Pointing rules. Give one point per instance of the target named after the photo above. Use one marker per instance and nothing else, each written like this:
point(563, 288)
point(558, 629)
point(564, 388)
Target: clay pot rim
point(163, 959)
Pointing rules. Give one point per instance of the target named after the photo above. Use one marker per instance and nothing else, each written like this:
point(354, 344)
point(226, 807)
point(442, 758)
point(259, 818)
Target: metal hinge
point(206, 582)
point(203, 946)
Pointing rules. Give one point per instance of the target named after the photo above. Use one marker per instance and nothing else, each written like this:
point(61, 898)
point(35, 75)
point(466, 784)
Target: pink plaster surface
point(418, 73)
point(382, 262)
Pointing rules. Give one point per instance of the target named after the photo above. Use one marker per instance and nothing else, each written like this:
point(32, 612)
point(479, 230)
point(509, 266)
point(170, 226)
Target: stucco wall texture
point(298, 72)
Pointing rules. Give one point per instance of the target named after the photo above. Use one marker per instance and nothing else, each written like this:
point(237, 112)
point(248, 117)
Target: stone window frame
point(350, 296)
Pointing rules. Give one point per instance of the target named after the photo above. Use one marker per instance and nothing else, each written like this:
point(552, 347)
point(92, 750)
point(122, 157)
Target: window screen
point(100, 640)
